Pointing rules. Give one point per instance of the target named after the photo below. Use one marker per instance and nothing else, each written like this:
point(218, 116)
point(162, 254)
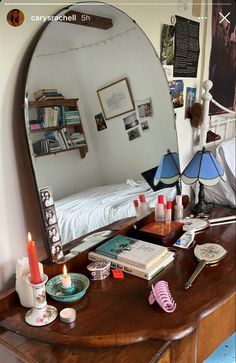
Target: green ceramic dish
point(53, 287)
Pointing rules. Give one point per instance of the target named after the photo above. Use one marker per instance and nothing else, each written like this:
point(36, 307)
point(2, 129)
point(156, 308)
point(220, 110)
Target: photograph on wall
point(145, 126)
point(176, 91)
point(57, 251)
point(116, 99)
point(167, 48)
point(187, 47)
point(130, 121)
point(50, 216)
point(53, 233)
point(144, 108)
point(222, 59)
point(46, 197)
point(100, 122)
point(134, 134)
point(189, 100)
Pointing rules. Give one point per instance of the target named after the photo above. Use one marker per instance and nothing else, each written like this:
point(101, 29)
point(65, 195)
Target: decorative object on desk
point(81, 284)
point(196, 224)
point(168, 211)
point(208, 253)
point(178, 209)
point(144, 206)
point(160, 208)
point(130, 250)
point(99, 270)
point(161, 294)
point(168, 171)
point(35, 275)
point(205, 169)
point(41, 313)
point(68, 315)
point(23, 289)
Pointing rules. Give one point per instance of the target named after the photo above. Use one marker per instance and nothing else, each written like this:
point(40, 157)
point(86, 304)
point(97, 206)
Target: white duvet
point(96, 207)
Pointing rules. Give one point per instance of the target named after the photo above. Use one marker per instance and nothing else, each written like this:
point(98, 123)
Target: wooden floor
point(225, 353)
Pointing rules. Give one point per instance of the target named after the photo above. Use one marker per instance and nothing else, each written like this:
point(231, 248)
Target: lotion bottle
point(137, 209)
point(144, 205)
point(168, 211)
point(160, 208)
point(178, 209)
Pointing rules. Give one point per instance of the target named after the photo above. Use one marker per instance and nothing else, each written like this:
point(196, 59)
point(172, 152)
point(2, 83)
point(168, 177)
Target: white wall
point(14, 42)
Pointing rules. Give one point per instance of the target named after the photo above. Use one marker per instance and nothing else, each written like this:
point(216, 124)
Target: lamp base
point(202, 207)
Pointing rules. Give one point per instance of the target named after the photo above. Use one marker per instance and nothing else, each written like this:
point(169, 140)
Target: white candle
point(66, 280)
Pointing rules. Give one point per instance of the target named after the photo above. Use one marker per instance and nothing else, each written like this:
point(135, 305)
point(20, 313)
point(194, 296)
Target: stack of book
point(47, 94)
point(71, 117)
point(48, 116)
point(41, 147)
point(55, 141)
point(136, 257)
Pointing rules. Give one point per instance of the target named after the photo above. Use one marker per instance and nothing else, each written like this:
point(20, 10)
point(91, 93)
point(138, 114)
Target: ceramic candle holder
point(41, 313)
point(68, 290)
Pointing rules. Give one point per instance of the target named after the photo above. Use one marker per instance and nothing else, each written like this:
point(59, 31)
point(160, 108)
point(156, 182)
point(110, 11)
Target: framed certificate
point(116, 99)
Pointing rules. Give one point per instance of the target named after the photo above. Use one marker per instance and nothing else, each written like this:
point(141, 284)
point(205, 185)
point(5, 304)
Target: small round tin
point(99, 270)
point(68, 315)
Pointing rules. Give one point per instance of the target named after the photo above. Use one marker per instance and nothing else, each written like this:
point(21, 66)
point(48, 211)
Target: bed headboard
point(223, 125)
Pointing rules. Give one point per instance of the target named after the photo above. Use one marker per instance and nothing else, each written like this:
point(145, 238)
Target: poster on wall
point(176, 90)
point(189, 100)
point(144, 108)
point(186, 47)
point(100, 122)
point(167, 48)
point(222, 59)
point(130, 121)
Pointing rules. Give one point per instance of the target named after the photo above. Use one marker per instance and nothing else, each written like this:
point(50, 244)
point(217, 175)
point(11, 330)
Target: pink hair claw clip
point(161, 294)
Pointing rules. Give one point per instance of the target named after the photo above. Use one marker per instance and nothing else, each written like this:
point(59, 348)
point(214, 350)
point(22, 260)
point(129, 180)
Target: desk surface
point(115, 314)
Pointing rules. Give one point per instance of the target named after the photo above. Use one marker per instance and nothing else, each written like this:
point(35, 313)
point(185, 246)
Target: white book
point(135, 270)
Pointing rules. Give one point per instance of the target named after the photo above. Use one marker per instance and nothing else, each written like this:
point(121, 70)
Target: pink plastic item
point(161, 294)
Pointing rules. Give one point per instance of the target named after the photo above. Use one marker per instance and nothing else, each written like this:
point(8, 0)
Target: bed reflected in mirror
point(111, 130)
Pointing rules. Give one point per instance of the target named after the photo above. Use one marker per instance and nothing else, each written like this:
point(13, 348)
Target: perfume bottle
point(168, 211)
point(178, 209)
point(160, 208)
point(137, 209)
point(143, 205)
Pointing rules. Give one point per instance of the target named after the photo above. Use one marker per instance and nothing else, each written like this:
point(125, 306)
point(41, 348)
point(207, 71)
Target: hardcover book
point(136, 252)
point(135, 270)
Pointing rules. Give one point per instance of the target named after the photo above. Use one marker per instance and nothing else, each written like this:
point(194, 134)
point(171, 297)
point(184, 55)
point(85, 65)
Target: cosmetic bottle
point(178, 209)
point(160, 208)
point(168, 211)
point(137, 209)
point(143, 206)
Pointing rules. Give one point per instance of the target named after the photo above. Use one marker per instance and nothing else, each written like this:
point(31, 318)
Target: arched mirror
point(115, 121)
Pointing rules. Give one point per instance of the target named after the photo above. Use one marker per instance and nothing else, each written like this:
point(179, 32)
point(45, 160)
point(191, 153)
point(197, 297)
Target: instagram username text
point(43, 18)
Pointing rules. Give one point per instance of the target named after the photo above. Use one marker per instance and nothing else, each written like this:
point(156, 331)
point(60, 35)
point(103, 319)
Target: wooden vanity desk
point(115, 322)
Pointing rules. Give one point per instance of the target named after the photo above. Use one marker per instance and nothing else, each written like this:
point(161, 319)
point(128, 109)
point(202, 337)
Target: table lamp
point(205, 169)
point(168, 171)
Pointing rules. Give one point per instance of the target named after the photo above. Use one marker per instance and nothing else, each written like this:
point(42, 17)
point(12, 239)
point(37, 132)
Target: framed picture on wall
point(116, 99)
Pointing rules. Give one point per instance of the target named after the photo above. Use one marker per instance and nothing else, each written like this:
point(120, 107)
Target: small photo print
point(176, 91)
point(50, 216)
point(145, 126)
point(130, 121)
point(46, 197)
point(53, 233)
point(190, 100)
point(144, 108)
point(57, 251)
point(100, 122)
point(134, 134)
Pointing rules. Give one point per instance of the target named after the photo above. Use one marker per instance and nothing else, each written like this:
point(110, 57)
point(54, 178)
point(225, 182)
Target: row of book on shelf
point(47, 94)
point(58, 140)
point(53, 117)
point(136, 257)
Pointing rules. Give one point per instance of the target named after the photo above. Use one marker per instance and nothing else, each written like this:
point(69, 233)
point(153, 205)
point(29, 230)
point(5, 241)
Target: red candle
point(33, 261)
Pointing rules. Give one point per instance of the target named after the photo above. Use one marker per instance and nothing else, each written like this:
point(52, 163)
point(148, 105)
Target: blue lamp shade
point(203, 168)
point(168, 171)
